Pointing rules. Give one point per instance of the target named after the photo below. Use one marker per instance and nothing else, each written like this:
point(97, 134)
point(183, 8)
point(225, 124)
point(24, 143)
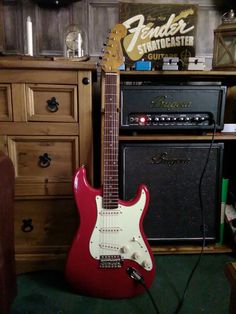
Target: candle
point(29, 36)
point(79, 45)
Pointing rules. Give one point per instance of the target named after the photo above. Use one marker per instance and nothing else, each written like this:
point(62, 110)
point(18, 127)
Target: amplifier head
point(172, 107)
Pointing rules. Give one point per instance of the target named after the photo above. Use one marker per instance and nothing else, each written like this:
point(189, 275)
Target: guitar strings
point(110, 192)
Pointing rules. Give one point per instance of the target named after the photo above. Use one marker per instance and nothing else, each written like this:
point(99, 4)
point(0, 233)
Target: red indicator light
point(142, 120)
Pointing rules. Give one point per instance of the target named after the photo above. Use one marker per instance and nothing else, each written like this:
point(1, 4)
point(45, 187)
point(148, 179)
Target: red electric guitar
point(110, 256)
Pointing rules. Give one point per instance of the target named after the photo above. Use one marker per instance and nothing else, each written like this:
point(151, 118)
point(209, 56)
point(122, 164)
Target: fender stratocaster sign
point(110, 240)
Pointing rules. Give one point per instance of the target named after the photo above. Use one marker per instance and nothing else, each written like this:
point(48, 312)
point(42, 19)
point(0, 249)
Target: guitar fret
point(108, 180)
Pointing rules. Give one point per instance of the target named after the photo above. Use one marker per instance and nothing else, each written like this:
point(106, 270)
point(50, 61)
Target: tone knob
point(136, 256)
point(146, 264)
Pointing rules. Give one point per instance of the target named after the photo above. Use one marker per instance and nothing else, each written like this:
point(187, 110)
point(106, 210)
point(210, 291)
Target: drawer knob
point(52, 104)
point(27, 225)
point(44, 160)
point(85, 80)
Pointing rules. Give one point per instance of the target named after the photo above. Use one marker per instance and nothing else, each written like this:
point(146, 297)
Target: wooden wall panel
point(95, 17)
point(12, 24)
point(208, 19)
point(50, 27)
point(1, 28)
point(102, 16)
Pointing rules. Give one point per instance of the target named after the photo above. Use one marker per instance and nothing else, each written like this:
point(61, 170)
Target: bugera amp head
point(172, 107)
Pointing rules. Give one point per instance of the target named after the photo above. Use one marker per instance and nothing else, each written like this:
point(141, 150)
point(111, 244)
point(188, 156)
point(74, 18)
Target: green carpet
point(47, 292)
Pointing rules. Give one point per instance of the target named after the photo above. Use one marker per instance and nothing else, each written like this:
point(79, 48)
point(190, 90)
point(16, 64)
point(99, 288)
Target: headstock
point(113, 54)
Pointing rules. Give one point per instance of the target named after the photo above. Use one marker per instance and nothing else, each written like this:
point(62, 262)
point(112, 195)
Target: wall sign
point(156, 31)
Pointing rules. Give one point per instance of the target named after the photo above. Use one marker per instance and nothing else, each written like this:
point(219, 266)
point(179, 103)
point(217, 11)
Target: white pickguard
point(117, 233)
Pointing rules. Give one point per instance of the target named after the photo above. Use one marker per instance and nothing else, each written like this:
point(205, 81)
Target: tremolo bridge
point(110, 261)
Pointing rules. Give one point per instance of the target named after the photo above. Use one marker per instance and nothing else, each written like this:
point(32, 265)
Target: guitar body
point(107, 243)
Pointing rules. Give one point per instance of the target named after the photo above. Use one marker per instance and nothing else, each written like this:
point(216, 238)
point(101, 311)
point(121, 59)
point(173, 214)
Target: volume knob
point(124, 249)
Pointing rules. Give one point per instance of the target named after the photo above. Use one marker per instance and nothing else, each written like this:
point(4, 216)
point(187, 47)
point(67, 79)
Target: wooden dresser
point(46, 129)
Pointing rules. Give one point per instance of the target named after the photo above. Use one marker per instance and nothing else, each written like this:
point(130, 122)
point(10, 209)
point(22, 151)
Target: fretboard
point(110, 149)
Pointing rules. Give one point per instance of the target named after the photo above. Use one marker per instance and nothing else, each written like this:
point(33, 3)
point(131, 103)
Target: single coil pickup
point(110, 230)
point(110, 261)
point(109, 246)
point(110, 212)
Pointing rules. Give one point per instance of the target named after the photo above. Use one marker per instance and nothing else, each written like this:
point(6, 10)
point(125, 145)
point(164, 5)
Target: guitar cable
point(135, 275)
point(203, 219)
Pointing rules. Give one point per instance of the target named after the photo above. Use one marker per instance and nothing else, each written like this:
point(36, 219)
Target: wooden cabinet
point(139, 78)
point(46, 130)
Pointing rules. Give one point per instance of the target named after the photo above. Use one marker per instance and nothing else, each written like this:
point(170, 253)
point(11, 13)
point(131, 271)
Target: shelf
point(208, 74)
point(158, 78)
point(190, 249)
point(177, 137)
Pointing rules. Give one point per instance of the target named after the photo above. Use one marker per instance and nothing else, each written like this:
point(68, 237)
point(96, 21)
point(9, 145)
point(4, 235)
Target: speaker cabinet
point(172, 173)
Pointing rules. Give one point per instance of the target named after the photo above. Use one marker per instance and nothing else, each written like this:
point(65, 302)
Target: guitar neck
point(110, 149)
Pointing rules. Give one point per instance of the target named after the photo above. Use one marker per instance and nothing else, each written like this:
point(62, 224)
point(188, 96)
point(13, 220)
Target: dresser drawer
point(43, 165)
point(55, 103)
point(43, 225)
point(5, 102)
